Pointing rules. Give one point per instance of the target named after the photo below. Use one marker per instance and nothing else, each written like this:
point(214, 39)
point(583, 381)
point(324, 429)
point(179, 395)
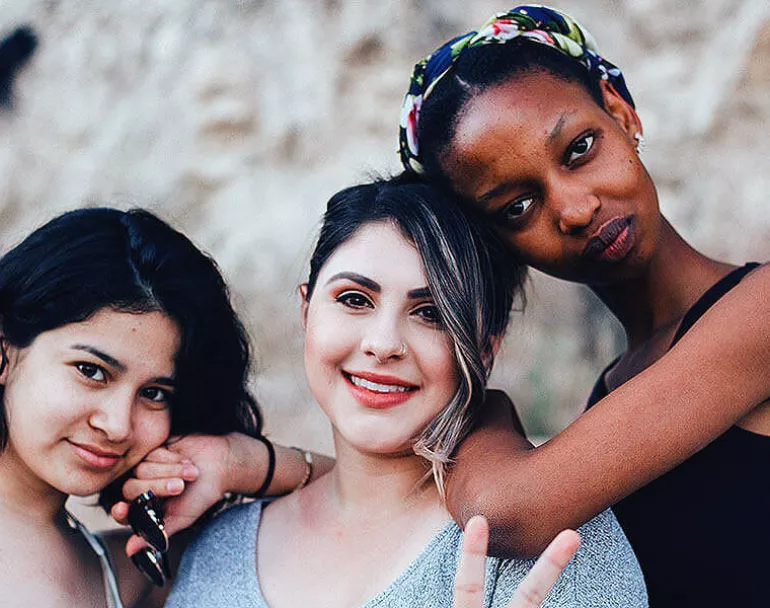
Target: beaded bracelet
point(308, 458)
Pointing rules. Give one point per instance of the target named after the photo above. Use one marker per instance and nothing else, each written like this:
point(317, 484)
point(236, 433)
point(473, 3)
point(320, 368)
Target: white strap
point(108, 574)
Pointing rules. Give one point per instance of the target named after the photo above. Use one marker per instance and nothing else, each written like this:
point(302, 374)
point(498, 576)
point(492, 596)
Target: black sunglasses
point(145, 516)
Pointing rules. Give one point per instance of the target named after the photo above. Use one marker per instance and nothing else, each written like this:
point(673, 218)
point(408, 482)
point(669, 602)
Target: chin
point(81, 485)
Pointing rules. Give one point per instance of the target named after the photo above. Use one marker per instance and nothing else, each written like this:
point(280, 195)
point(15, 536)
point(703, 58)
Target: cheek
point(35, 405)
point(438, 364)
point(152, 429)
point(329, 340)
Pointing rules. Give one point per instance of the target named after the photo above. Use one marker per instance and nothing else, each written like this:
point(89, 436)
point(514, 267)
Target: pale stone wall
point(236, 120)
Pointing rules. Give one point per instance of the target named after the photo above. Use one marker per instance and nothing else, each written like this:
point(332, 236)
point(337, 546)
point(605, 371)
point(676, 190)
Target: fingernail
point(190, 472)
point(186, 461)
point(175, 486)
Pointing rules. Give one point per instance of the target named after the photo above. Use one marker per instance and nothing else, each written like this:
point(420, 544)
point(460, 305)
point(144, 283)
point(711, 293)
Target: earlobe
point(3, 361)
point(489, 354)
point(303, 303)
point(620, 110)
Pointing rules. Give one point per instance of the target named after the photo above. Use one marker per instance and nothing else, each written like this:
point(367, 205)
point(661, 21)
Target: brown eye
point(354, 299)
point(515, 209)
point(429, 313)
point(154, 393)
point(91, 371)
point(580, 148)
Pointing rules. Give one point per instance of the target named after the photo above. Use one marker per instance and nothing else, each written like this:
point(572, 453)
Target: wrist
point(247, 464)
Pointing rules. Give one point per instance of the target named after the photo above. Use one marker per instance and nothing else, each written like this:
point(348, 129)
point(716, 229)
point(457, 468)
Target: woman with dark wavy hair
point(115, 331)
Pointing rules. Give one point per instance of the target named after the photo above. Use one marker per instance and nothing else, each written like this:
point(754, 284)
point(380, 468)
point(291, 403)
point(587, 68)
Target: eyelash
point(589, 137)
point(346, 299)
point(436, 321)
point(504, 211)
point(166, 394)
point(82, 366)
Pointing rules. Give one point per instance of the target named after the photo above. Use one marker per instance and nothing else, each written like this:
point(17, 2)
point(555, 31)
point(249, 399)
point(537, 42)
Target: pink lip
point(612, 241)
point(94, 456)
point(376, 400)
point(382, 379)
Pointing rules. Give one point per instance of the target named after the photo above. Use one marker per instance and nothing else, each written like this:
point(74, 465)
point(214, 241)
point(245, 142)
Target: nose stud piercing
point(146, 519)
point(639, 145)
point(382, 357)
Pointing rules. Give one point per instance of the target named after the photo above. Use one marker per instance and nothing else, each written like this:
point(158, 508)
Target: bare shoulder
point(743, 310)
point(721, 367)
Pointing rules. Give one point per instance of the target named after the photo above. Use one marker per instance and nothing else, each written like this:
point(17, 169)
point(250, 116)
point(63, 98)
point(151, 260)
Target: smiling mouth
point(377, 387)
point(612, 242)
point(95, 457)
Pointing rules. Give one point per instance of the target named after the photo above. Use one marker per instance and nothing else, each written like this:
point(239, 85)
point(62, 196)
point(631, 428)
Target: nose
point(383, 340)
point(575, 210)
point(113, 416)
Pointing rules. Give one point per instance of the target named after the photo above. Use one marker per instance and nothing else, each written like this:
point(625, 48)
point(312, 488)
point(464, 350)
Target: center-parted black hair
point(477, 70)
point(471, 283)
point(87, 260)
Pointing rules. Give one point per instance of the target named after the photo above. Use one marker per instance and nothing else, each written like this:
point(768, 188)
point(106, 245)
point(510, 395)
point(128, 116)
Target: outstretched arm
point(712, 378)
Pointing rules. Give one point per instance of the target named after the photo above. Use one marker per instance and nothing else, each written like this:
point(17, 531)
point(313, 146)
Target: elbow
point(516, 531)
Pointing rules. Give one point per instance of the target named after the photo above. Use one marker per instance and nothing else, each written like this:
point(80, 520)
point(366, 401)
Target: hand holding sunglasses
point(145, 516)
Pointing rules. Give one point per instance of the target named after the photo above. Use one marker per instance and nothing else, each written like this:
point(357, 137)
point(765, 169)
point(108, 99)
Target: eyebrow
point(108, 359)
point(558, 127)
point(417, 294)
point(488, 196)
point(113, 362)
point(414, 294)
point(356, 278)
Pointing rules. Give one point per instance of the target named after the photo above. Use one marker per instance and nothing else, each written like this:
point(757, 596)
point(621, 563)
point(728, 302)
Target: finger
point(164, 455)
point(163, 488)
point(119, 512)
point(469, 579)
point(533, 590)
point(135, 544)
point(154, 470)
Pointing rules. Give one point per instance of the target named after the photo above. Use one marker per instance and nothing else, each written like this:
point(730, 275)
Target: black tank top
point(701, 532)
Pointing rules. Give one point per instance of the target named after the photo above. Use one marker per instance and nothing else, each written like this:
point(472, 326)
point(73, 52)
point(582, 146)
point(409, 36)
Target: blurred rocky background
point(237, 119)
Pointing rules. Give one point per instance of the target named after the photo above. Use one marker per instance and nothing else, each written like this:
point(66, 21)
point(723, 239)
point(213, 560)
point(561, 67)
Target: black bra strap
point(708, 299)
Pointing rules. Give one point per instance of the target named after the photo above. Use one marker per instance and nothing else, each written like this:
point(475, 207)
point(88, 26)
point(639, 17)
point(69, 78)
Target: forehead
point(375, 250)
point(146, 340)
point(515, 119)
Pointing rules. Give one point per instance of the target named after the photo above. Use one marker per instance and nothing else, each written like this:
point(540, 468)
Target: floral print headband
point(533, 22)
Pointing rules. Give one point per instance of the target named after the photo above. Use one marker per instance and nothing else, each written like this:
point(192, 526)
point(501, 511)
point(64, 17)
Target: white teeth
point(378, 388)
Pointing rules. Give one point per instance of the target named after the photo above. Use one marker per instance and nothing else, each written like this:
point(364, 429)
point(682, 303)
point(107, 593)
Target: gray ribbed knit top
point(220, 569)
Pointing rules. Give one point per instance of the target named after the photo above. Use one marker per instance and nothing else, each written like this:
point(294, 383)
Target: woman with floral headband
point(537, 133)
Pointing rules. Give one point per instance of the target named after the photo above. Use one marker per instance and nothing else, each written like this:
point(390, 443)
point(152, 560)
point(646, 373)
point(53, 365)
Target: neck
point(24, 496)
point(365, 486)
point(658, 298)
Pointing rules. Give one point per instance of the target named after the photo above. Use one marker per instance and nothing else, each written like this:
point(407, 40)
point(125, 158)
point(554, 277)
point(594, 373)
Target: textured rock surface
point(236, 120)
